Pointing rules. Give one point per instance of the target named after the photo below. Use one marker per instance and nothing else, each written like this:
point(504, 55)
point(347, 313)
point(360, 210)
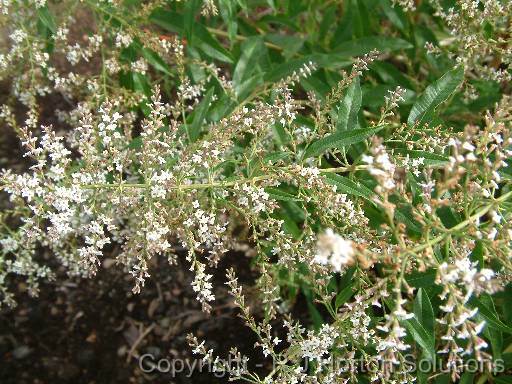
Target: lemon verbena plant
point(359, 149)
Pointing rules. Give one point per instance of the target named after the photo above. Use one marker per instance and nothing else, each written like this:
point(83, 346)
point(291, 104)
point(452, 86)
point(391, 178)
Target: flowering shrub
point(368, 173)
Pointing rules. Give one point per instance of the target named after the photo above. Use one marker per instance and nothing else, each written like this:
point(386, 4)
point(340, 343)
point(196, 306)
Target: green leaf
point(436, 93)
point(340, 140)
point(349, 187)
point(135, 143)
point(349, 108)
point(168, 20)
point(489, 315)
point(448, 216)
point(364, 45)
point(191, 9)
point(496, 339)
point(316, 317)
point(429, 159)
point(330, 61)
point(424, 312)
point(194, 129)
point(228, 11)
point(347, 278)
point(343, 296)
point(155, 60)
point(390, 74)
point(251, 48)
point(421, 279)
point(477, 255)
point(282, 135)
point(467, 378)
point(404, 215)
point(420, 335)
point(141, 84)
point(202, 38)
point(374, 96)
point(493, 335)
point(210, 45)
point(275, 157)
point(46, 18)
point(395, 14)
point(285, 69)
point(289, 225)
point(292, 209)
point(277, 194)
point(289, 43)
point(507, 379)
point(248, 86)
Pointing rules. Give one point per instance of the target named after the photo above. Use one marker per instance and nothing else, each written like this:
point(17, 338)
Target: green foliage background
point(258, 43)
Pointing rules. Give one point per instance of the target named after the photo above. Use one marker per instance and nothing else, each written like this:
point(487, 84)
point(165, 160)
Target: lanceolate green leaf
point(331, 60)
point(202, 38)
point(170, 21)
point(46, 18)
point(421, 279)
point(423, 311)
point(350, 105)
point(343, 296)
point(340, 140)
point(421, 336)
point(289, 44)
point(316, 317)
point(366, 44)
point(429, 159)
point(191, 10)
point(277, 194)
point(495, 336)
point(434, 95)
point(489, 315)
point(403, 214)
point(275, 157)
point(251, 48)
point(155, 60)
point(210, 45)
point(280, 71)
point(194, 129)
point(345, 185)
point(248, 86)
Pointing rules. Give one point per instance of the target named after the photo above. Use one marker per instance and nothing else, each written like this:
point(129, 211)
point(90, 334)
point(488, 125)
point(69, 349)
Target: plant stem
point(461, 225)
point(222, 33)
point(219, 184)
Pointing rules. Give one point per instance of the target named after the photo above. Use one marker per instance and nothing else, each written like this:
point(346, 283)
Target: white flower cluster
point(202, 286)
point(463, 272)
point(414, 165)
point(140, 66)
point(95, 240)
point(334, 251)
point(254, 197)
point(360, 329)
point(317, 345)
point(465, 20)
point(333, 203)
point(123, 39)
point(9, 244)
point(381, 167)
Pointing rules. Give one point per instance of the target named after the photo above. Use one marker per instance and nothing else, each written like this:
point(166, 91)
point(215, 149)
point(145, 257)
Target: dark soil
point(91, 331)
